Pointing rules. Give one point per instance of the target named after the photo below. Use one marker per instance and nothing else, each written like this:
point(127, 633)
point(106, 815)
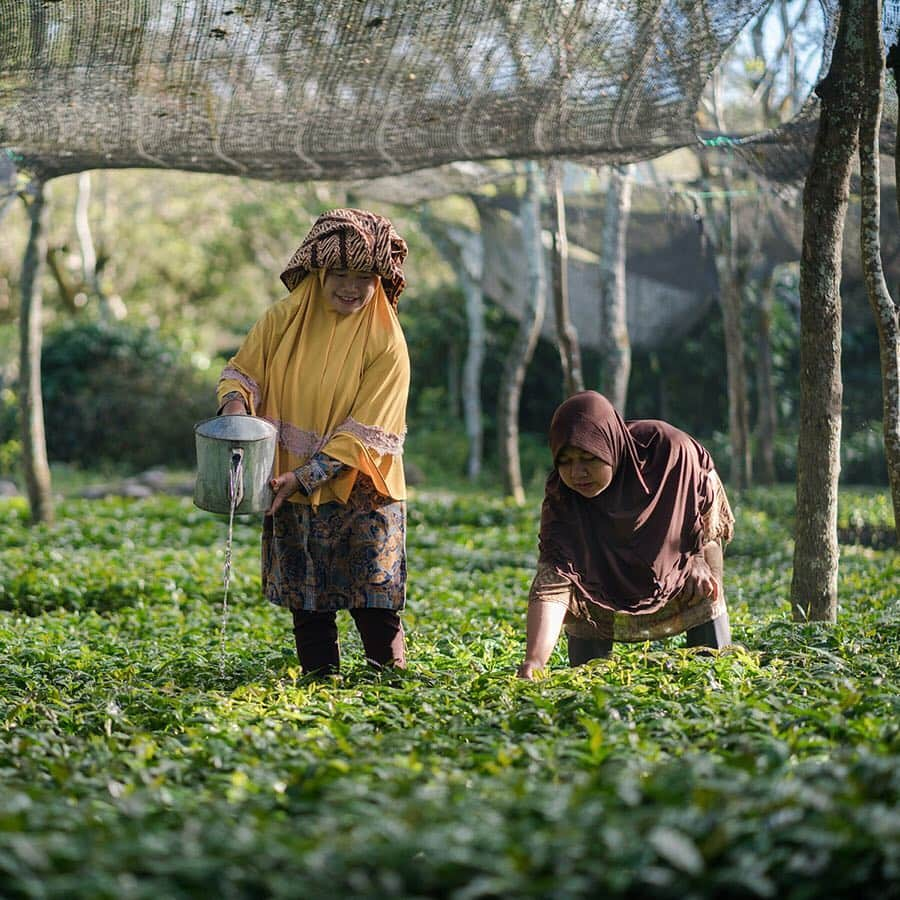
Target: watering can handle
point(236, 478)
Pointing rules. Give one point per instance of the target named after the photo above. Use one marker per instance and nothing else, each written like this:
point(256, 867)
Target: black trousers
point(316, 638)
point(715, 634)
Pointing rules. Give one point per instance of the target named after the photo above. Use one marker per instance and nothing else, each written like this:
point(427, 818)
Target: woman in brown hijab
point(633, 526)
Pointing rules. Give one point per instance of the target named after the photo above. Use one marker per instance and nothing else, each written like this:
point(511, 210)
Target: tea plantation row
point(136, 762)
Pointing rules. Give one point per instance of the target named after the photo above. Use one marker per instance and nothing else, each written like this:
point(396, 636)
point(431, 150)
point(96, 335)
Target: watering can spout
point(235, 455)
point(236, 481)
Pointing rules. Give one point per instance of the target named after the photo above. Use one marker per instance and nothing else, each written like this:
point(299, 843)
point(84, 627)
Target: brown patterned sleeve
point(316, 472)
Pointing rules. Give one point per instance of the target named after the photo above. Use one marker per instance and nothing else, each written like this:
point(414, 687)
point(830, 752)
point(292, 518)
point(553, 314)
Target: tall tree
point(773, 67)
point(526, 338)
point(721, 229)
point(886, 311)
point(825, 199)
point(766, 406)
point(31, 406)
point(566, 336)
point(613, 292)
point(464, 250)
point(90, 269)
point(721, 225)
point(8, 178)
point(756, 277)
point(471, 272)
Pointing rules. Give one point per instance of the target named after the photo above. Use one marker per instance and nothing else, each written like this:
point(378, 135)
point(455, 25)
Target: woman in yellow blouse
point(329, 368)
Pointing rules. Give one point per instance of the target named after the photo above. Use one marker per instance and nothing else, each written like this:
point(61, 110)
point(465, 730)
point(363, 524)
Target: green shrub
point(436, 442)
point(10, 443)
point(118, 394)
point(143, 757)
point(10, 457)
point(9, 415)
point(862, 456)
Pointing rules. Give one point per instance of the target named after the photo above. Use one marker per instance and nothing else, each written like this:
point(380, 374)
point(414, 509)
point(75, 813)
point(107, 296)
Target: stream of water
point(235, 495)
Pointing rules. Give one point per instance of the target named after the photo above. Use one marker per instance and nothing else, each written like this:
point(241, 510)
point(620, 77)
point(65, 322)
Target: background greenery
point(190, 262)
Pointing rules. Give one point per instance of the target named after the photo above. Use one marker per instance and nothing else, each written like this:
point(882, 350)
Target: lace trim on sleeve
point(304, 444)
point(230, 373)
point(387, 443)
point(307, 444)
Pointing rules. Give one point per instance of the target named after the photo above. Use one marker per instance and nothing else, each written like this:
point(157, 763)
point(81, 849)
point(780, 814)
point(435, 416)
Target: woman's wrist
point(233, 404)
point(316, 472)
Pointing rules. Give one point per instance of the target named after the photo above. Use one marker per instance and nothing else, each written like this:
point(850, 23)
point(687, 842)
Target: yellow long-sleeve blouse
point(328, 382)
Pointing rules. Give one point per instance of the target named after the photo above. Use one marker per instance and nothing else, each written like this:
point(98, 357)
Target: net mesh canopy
point(321, 89)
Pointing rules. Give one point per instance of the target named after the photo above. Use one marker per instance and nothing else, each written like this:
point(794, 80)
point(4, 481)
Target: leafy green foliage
point(10, 445)
point(196, 258)
point(118, 393)
point(134, 765)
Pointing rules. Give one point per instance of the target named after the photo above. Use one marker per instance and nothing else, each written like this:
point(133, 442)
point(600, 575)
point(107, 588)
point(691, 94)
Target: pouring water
point(235, 455)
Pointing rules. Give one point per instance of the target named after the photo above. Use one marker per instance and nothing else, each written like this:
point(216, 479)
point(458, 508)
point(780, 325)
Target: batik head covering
point(351, 239)
point(629, 548)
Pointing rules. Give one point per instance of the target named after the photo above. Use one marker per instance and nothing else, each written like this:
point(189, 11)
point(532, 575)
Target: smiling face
point(582, 472)
point(348, 291)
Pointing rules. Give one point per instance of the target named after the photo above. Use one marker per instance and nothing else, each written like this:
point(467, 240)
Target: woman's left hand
point(284, 486)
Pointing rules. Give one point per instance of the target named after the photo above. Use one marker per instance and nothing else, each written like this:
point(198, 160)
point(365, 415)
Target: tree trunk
point(736, 374)
point(825, 198)
point(70, 292)
point(8, 179)
point(886, 313)
point(526, 338)
point(662, 393)
point(34, 444)
point(893, 63)
point(464, 250)
point(86, 243)
point(757, 292)
point(613, 294)
point(566, 336)
point(454, 398)
point(722, 226)
point(474, 294)
point(767, 413)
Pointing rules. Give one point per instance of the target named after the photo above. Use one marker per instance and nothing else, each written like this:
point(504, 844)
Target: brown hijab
point(629, 548)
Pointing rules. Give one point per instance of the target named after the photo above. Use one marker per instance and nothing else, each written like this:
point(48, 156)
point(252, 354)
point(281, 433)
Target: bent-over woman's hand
point(284, 486)
point(526, 670)
point(701, 583)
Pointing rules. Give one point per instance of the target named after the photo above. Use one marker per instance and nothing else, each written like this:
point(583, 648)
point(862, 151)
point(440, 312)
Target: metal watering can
point(234, 464)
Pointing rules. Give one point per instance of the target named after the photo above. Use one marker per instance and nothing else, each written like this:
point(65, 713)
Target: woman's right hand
point(283, 486)
point(527, 670)
point(701, 583)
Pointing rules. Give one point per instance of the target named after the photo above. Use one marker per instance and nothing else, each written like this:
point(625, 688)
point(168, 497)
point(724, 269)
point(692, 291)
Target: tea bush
point(139, 762)
point(118, 393)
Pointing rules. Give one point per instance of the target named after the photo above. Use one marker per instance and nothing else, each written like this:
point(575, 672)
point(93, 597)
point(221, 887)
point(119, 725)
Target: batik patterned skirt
point(339, 556)
point(588, 620)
